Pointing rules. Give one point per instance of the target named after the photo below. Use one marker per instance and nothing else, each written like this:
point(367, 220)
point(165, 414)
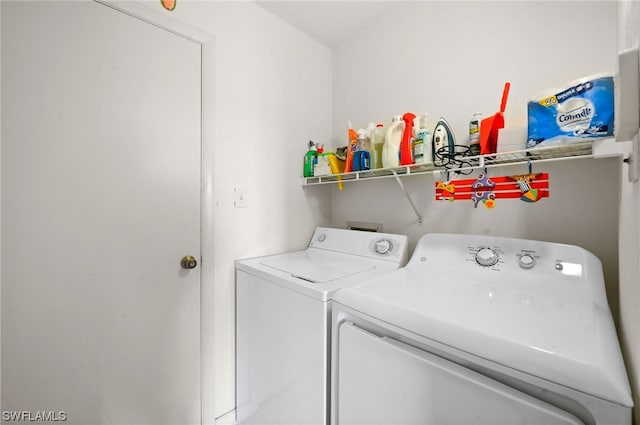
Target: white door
point(100, 201)
point(385, 382)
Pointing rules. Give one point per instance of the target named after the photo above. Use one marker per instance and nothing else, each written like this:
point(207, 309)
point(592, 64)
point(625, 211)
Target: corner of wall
point(0, 206)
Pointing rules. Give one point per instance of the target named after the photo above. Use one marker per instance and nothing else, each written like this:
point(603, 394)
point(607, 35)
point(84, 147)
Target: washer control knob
point(383, 246)
point(486, 257)
point(322, 237)
point(526, 261)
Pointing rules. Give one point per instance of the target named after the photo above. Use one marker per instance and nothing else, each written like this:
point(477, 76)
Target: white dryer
point(480, 330)
point(283, 322)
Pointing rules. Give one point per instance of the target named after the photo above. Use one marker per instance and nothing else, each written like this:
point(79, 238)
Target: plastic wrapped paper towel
point(582, 110)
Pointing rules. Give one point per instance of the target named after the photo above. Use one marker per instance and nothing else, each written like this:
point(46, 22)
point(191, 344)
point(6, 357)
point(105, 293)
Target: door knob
point(188, 262)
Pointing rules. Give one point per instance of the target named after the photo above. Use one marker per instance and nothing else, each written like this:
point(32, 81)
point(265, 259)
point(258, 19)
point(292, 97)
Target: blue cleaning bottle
point(361, 157)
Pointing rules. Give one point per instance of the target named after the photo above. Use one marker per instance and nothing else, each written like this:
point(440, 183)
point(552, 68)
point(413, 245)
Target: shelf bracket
point(406, 194)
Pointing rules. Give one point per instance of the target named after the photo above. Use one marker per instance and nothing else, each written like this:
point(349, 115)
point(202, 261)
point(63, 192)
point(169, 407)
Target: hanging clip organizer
point(484, 189)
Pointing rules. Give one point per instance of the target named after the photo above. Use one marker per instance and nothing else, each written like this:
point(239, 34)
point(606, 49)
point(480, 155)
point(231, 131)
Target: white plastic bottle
point(474, 134)
point(370, 129)
point(392, 140)
point(377, 144)
point(422, 149)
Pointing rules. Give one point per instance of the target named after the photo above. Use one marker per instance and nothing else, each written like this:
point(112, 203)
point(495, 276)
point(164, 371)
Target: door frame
point(164, 21)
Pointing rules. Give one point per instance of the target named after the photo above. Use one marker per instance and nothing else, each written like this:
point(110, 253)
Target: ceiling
point(329, 22)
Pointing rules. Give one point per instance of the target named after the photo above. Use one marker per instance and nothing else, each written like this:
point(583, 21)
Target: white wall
point(629, 243)
point(452, 59)
point(272, 94)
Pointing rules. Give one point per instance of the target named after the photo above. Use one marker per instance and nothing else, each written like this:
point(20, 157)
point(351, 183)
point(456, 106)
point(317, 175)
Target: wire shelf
point(463, 163)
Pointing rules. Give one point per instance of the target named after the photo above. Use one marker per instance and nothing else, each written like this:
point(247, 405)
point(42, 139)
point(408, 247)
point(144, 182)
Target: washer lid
point(317, 267)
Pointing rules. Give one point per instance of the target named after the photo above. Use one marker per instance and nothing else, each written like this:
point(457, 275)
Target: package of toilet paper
point(582, 110)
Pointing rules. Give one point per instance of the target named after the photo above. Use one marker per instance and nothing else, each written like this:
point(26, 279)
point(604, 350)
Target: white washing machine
point(480, 330)
point(283, 322)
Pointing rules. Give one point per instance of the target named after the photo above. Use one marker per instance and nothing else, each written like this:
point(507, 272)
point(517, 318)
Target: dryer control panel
point(548, 279)
point(461, 255)
point(495, 255)
point(383, 246)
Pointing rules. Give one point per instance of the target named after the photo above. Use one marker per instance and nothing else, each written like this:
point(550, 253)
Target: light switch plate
point(240, 198)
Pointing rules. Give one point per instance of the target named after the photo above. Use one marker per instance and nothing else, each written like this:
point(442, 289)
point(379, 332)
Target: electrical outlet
point(239, 198)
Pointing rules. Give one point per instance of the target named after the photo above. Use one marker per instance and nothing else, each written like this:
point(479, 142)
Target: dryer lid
point(317, 267)
point(550, 321)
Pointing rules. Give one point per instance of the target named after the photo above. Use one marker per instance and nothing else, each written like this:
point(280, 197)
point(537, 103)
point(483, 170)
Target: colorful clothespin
point(528, 193)
point(483, 191)
point(445, 190)
point(524, 182)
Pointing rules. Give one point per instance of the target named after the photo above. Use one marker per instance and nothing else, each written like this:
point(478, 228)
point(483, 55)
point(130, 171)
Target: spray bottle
point(361, 157)
point(406, 145)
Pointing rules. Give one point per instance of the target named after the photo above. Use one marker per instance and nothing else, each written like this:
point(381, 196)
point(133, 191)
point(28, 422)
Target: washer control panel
point(382, 246)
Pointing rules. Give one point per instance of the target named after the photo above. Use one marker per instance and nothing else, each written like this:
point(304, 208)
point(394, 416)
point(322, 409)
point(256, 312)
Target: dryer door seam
point(384, 380)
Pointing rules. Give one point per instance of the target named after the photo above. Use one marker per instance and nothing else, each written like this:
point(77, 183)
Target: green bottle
point(309, 158)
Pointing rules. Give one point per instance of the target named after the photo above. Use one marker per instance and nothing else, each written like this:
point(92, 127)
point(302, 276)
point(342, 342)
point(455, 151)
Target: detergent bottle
point(377, 143)
point(422, 148)
point(321, 167)
point(361, 157)
point(352, 145)
point(309, 159)
point(392, 140)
